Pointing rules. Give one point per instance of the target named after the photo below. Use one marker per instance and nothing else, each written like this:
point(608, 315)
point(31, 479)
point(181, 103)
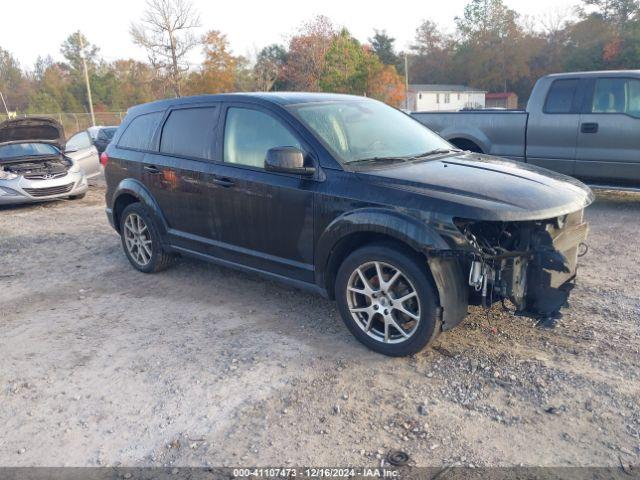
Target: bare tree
point(165, 32)
point(555, 20)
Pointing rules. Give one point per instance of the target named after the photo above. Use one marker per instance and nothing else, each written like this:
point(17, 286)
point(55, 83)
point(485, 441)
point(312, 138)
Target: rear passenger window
point(189, 132)
point(560, 96)
point(139, 133)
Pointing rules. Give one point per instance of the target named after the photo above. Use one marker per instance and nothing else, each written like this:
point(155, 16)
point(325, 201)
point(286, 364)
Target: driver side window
point(617, 95)
point(249, 134)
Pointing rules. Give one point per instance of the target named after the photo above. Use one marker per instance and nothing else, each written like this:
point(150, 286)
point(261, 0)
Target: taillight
point(104, 158)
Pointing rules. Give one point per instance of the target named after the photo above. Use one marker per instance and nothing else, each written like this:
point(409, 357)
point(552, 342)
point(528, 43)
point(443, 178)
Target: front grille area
point(45, 192)
point(43, 176)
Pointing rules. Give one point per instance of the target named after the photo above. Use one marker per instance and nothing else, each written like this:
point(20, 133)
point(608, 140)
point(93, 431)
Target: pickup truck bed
point(500, 133)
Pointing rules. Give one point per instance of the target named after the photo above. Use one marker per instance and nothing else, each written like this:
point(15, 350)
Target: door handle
point(152, 169)
point(222, 182)
point(589, 127)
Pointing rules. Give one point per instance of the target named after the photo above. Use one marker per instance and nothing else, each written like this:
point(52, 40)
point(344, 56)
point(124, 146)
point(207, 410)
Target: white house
point(444, 98)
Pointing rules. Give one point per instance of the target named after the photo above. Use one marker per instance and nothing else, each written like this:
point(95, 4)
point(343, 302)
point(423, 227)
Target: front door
point(552, 131)
point(262, 219)
point(609, 135)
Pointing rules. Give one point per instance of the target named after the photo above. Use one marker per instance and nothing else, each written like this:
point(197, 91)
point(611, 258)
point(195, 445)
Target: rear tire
point(395, 317)
point(141, 240)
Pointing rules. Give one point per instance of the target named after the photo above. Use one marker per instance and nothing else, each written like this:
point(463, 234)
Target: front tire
point(387, 300)
point(141, 240)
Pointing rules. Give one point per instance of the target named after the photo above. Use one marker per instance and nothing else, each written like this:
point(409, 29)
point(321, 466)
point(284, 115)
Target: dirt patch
point(200, 365)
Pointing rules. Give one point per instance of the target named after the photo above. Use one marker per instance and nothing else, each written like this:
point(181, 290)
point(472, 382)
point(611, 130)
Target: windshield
point(27, 150)
point(367, 129)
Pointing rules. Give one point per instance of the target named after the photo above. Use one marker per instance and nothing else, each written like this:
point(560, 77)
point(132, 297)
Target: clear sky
point(30, 28)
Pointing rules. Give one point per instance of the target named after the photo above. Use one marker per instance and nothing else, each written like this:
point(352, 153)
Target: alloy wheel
point(383, 302)
point(138, 239)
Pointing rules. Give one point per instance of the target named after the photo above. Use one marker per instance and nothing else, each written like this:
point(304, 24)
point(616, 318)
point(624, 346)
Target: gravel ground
point(200, 365)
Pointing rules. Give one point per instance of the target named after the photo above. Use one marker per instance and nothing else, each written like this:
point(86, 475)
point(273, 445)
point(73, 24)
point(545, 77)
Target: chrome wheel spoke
point(147, 250)
point(367, 327)
point(367, 290)
point(389, 283)
point(406, 297)
point(395, 325)
point(407, 312)
point(361, 291)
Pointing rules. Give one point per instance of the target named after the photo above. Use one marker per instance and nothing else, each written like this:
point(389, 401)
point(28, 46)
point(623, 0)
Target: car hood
point(482, 187)
point(32, 130)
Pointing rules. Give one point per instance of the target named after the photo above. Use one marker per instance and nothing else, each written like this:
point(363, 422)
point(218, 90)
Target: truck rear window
point(560, 96)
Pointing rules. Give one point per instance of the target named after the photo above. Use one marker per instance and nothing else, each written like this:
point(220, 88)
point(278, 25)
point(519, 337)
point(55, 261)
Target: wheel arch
point(368, 226)
point(365, 226)
point(466, 144)
point(130, 191)
point(473, 135)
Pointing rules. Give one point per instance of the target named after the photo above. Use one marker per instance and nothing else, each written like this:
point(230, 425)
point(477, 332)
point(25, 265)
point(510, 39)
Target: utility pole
point(86, 79)
point(406, 82)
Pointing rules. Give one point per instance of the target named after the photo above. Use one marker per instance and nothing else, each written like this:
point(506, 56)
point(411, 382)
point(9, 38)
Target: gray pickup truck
point(583, 124)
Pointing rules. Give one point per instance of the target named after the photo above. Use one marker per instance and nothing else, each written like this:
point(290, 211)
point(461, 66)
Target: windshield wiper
point(378, 159)
point(437, 151)
point(406, 158)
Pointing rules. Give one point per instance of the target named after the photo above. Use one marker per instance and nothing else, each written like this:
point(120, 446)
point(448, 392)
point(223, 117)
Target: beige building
point(444, 98)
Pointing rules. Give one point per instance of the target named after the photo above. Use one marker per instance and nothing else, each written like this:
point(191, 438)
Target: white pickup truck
point(583, 124)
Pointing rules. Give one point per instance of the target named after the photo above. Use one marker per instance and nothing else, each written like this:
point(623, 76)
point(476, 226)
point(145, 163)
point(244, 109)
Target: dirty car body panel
point(32, 165)
point(485, 228)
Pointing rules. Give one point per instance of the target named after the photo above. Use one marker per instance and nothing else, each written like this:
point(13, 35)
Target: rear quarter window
point(560, 96)
point(139, 132)
point(190, 132)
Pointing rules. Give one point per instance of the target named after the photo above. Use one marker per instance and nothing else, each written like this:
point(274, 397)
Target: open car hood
point(32, 130)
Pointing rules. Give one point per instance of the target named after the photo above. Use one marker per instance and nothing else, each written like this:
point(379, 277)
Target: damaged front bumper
point(532, 264)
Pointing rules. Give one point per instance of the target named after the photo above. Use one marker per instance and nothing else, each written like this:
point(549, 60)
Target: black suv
point(350, 198)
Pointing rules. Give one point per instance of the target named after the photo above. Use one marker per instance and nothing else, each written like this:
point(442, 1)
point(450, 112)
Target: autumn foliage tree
point(308, 53)
point(218, 72)
point(351, 67)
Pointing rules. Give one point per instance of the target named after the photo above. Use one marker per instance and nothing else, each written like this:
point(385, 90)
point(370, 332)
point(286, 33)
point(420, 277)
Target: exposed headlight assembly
point(5, 175)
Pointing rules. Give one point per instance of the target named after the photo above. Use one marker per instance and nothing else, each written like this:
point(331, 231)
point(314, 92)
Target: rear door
point(175, 175)
point(80, 148)
point(552, 131)
point(609, 136)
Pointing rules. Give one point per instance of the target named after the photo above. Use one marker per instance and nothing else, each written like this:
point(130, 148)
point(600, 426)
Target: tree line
point(493, 48)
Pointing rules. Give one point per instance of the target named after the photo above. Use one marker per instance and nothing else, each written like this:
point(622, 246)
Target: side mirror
point(287, 160)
